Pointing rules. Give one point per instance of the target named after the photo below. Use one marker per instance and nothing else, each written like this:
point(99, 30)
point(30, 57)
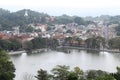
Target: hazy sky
point(70, 7)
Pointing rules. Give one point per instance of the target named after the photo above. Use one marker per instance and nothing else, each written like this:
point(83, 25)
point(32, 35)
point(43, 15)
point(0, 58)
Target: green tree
point(118, 30)
point(7, 68)
point(28, 45)
point(98, 75)
point(117, 74)
point(39, 43)
point(29, 29)
point(60, 72)
point(12, 44)
point(105, 77)
point(72, 76)
point(5, 44)
point(95, 42)
point(53, 43)
point(76, 74)
point(114, 43)
point(69, 31)
point(68, 40)
point(78, 71)
point(42, 75)
point(79, 21)
point(15, 44)
point(64, 19)
point(100, 42)
point(79, 41)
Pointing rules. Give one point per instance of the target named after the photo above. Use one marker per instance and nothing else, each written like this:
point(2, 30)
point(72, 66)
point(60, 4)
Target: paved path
point(16, 52)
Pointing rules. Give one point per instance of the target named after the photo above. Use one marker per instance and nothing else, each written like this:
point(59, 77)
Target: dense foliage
point(62, 72)
point(11, 19)
point(38, 43)
point(118, 30)
point(11, 44)
point(95, 42)
point(114, 43)
point(117, 74)
point(98, 43)
point(7, 68)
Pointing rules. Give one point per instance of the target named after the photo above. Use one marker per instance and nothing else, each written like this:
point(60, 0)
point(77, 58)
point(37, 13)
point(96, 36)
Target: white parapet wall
point(16, 52)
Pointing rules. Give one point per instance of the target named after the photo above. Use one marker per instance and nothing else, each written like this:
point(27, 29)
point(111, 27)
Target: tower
point(26, 13)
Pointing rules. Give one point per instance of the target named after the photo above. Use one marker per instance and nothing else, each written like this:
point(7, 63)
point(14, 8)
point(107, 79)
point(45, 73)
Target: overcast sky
point(70, 7)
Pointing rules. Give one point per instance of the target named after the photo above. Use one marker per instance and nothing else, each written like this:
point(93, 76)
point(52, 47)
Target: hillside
point(11, 19)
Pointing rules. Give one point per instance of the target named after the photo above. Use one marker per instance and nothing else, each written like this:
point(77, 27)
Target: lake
point(28, 65)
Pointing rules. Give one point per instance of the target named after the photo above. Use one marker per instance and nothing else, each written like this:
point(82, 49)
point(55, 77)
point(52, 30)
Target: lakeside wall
point(81, 48)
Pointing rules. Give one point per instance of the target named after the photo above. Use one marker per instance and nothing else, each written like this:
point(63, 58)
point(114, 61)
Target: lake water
point(28, 65)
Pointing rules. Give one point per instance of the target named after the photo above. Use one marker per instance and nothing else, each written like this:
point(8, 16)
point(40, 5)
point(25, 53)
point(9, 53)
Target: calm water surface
point(28, 65)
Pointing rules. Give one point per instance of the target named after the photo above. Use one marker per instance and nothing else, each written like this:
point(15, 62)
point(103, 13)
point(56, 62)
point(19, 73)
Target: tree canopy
point(7, 68)
point(63, 72)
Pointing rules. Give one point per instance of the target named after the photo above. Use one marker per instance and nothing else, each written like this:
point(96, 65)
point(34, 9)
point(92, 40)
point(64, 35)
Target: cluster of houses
point(62, 31)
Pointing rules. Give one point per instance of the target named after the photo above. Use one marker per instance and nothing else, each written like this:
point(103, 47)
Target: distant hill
point(4, 12)
point(33, 17)
point(11, 19)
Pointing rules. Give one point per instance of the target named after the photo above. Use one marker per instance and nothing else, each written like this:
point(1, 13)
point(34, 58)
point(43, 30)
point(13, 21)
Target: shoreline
point(16, 52)
point(81, 48)
point(60, 47)
point(24, 51)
